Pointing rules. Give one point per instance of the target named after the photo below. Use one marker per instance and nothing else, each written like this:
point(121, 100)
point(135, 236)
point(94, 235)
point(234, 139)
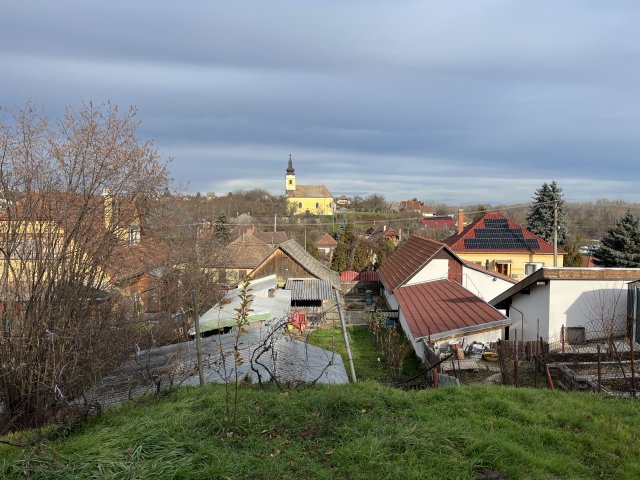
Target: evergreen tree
point(362, 256)
point(221, 229)
point(540, 216)
point(343, 254)
point(621, 246)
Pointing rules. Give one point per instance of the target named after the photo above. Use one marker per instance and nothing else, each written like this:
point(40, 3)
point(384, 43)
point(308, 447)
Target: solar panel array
point(498, 236)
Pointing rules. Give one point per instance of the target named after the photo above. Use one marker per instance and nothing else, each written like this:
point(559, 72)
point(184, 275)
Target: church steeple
point(290, 177)
point(290, 170)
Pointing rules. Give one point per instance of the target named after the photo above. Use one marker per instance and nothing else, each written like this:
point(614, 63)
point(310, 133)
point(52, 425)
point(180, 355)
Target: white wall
point(572, 303)
point(534, 306)
point(596, 305)
point(483, 285)
point(391, 299)
point(436, 269)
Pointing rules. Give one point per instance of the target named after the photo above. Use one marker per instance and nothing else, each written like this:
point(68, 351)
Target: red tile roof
point(457, 242)
point(437, 307)
point(326, 241)
point(438, 223)
point(407, 260)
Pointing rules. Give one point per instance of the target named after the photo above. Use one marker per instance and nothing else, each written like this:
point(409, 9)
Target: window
point(529, 268)
point(502, 268)
point(299, 204)
point(317, 205)
point(134, 236)
point(290, 181)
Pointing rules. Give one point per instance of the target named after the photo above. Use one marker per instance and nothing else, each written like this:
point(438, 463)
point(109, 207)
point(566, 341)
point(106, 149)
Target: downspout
point(522, 319)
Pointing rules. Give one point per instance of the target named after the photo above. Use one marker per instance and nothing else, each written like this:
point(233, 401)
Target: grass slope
point(360, 431)
point(368, 361)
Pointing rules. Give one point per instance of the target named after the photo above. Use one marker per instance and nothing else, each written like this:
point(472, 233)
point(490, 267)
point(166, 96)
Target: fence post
point(599, 369)
point(562, 338)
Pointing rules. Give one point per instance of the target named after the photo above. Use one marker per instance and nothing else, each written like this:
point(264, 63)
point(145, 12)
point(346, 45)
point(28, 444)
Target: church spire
point(290, 170)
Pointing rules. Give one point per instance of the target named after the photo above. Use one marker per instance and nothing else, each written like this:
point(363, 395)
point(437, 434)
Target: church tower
point(290, 177)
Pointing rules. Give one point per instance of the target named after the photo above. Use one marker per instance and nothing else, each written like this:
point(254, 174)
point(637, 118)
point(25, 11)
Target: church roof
point(290, 170)
point(310, 191)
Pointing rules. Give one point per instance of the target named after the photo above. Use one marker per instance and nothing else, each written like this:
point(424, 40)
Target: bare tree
point(74, 191)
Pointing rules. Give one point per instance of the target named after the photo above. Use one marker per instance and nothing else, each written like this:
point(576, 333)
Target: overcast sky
point(454, 101)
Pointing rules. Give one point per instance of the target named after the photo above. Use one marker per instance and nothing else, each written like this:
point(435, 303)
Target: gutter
point(467, 330)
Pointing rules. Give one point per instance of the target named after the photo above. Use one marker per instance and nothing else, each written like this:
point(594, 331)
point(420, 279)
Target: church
point(314, 199)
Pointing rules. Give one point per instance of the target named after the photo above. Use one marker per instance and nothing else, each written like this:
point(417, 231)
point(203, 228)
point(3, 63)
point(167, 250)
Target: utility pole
point(346, 339)
point(275, 221)
point(196, 322)
point(555, 232)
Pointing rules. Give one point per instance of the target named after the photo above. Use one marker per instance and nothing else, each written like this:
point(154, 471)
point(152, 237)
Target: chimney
point(460, 220)
point(108, 208)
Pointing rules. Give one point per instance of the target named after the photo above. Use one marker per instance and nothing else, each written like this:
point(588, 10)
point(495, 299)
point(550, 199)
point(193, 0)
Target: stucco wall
point(518, 260)
point(436, 269)
point(324, 205)
point(596, 305)
point(482, 284)
point(534, 306)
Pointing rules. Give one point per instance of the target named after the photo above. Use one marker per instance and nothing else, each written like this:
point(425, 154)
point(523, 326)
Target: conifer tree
point(540, 216)
point(343, 254)
point(621, 246)
point(221, 229)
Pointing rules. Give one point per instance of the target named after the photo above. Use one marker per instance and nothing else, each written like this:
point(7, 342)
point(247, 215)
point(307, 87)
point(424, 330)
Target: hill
point(360, 431)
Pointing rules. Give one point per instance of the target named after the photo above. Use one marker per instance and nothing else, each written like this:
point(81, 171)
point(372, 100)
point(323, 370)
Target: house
point(415, 206)
point(90, 237)
point(579, 304)
point(501, 245)
point(382, 232)
point(436, 223)
point(143, 272)
point(438, 311)
point(290, 260)
point(327, 244)
point(439, 297)
point(421, 259)
point(313, 199)
point(343, 201)
point(240, 258)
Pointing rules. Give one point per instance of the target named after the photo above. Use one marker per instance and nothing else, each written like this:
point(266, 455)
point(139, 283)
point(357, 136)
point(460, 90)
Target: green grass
point(360, 431)
point(364, 352)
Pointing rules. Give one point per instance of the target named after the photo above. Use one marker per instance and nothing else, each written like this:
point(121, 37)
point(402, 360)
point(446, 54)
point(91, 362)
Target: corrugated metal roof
point(263, 307)
point(407, 260)
point(441, 306)
point(349, 276)
point(309, 289)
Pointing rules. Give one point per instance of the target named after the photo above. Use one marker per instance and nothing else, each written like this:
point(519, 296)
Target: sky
point(459, 102)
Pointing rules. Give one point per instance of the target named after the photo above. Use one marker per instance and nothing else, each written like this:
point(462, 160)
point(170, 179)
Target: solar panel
point(496, 223)
point(502, 243)
point(498, 232)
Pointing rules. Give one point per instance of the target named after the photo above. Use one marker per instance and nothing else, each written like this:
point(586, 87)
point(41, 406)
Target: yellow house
point(314, 199)
point(501, 245)
point(46, 235)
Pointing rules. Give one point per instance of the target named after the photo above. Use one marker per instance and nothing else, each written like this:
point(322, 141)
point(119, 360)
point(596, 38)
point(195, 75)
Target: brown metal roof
point(407, 260)
point(296, 252)
point(441, 306)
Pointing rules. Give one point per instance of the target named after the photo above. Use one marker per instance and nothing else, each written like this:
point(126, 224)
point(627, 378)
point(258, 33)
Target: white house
point(578, 303)
point(439, 297)
point(421, 259)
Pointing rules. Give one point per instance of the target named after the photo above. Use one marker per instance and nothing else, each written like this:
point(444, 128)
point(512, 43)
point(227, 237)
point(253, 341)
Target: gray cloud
point(458, 101)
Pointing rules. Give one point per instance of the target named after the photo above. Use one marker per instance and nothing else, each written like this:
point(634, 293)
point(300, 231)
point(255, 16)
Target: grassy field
point(368, 362)
point(361, 431)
